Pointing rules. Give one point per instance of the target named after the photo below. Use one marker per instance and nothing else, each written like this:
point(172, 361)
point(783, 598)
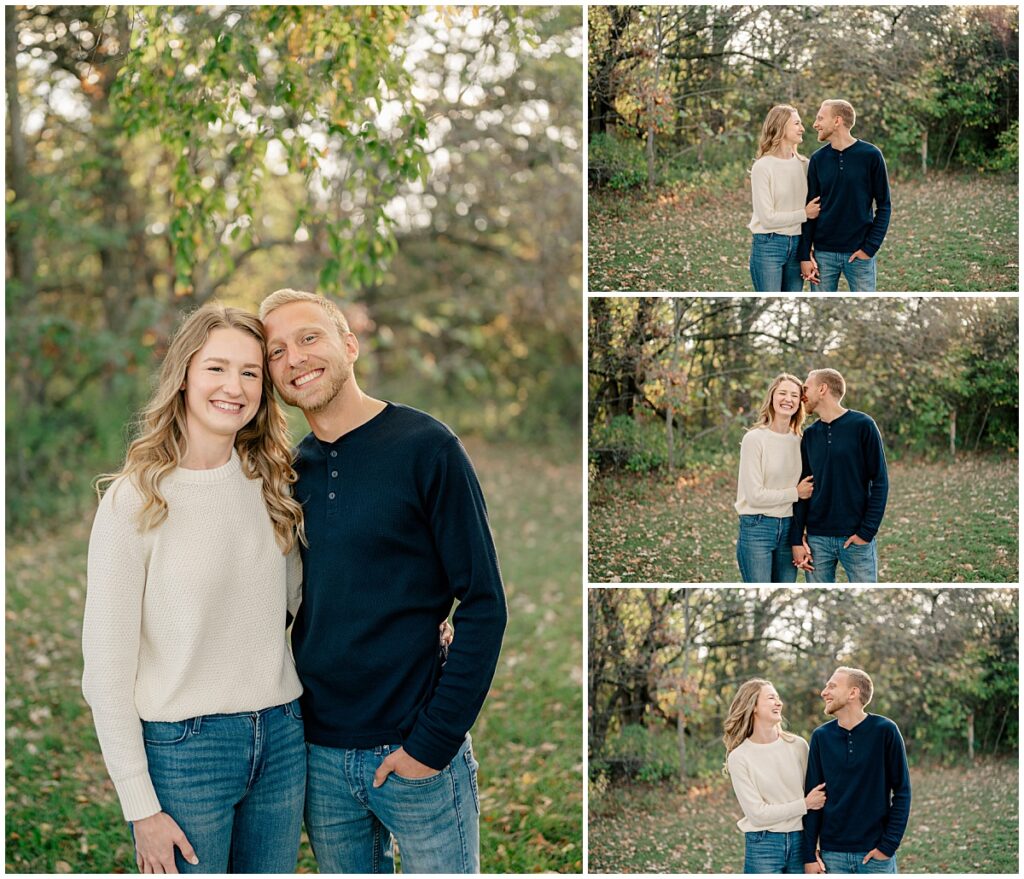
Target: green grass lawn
point(962, 820)
point(63, 815)
point(944, 522)
point(949, 233)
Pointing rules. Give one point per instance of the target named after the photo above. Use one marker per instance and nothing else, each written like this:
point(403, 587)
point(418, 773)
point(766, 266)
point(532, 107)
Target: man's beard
point(334, 381)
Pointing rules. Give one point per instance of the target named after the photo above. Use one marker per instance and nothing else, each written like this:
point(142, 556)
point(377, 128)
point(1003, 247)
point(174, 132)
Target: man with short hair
point(397, 531)
point(848, 175)
point(862, 761)
point(843, 451)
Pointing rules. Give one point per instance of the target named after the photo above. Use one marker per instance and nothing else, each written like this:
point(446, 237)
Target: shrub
point(615, 163)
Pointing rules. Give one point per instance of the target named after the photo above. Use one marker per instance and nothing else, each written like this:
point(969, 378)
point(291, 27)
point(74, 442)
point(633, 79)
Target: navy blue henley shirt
point(848, 181)
point(397, 530)
point(867, 786)
point(851, 482)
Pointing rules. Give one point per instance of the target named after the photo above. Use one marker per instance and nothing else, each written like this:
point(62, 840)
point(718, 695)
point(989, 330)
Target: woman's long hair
point(766, 414)
point(162, 439)
point(772, 130)
point(739, 722)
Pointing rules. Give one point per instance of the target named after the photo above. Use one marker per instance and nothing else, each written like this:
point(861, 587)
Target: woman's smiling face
point(786, 398)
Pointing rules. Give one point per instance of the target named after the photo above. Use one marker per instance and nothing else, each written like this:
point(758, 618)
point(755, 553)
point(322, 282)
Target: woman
point(767, 767)
point(768, 484)
point(778, 183)
point(193, 566)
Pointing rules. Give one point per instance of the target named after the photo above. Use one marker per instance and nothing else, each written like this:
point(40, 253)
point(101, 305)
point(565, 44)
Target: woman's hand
point(447, 634)
point(813, 208)
point(816, 798)
point(805, 488)
point(155, 839)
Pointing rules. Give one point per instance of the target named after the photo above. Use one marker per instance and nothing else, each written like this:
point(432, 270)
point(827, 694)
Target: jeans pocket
point(472, 766)
point(159, 732)
point(294, 709)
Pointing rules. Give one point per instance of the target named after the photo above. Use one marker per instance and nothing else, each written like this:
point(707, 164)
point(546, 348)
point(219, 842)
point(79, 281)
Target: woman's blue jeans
point(774, 267)
point(763, 550)
point(769, 852)
point(235, 783)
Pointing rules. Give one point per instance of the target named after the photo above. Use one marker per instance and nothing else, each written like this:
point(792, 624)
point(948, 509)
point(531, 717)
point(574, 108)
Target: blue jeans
point(435, 820)
point(850, 862)
point(859, 562)
point(769, 852)
point(763, 550)
point(235, 784)
point(774, 267)
point(860, 274)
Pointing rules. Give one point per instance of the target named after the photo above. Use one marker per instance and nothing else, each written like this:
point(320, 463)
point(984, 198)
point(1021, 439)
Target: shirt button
point(334, 453)
point(330, 496)
point(334, 473)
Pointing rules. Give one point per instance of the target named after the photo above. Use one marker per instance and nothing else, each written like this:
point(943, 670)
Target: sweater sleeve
point(878, 478)
point(812, 820)
point(883, 206)
point(796, 527)
point(897, 779)
point(764, 201)
point(813, 191)
point(759, 812)
point(458, 520)
point(110, 648)
point(293, 577)
point(752, 476)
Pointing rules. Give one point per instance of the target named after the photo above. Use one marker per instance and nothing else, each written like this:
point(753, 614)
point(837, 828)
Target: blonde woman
point(767, 766)
point(193, 569)
point(769, 484)
point(778, 183)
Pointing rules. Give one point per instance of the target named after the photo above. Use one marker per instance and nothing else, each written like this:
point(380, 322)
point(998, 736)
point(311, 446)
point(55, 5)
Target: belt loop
point(197, 723)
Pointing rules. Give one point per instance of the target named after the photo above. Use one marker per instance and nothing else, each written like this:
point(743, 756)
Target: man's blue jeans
point(769, 852)
point(435, 820)
point(851, 862)
point(774, 267)
point(860, 274)
point(859, 562)
point(235, 783)
point(763, 551)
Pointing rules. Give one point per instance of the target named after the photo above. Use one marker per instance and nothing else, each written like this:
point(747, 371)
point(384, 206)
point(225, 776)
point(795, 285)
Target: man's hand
point(401, 763)
point(876, 854)
point(809, 270)
point(858, 254)
point(814, 867)
point(155, 839)
point(856, 541)
point(802, 557)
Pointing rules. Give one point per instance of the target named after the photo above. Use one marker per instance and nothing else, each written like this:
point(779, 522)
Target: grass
point(951, 232)
point(944, 522)
point(962, 820)
point(62, 812)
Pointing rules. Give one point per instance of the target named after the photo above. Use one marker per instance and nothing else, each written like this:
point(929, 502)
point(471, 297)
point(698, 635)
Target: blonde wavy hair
point(766, 413)
point(262, 444)
point(772, 130)
point(739, 722)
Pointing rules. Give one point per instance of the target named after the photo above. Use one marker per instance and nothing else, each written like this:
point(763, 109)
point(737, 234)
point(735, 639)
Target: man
point(862, 761)
point(848, 175)
point(397, 530)
point(843, 451)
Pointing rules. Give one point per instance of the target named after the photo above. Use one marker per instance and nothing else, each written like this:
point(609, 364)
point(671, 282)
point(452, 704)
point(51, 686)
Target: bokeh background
point(420, 165)
point(677, 96)
point(675, 382)
point(665, 664)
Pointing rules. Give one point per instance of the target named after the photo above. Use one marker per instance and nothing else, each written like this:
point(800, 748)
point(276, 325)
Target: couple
point(839, 807)
point(214, 536)
point(810, 499)
point(813, 219)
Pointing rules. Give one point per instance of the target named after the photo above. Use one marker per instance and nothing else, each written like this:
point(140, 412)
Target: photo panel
point(738, 730)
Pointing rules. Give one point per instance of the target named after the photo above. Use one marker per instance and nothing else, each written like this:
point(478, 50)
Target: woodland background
point(664, 666)
point(422, 166)
point(677, 96)
point(675, 382)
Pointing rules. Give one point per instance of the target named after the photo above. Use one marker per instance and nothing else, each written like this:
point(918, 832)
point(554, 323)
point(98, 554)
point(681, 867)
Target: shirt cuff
point(138, 797)
point(430, 748)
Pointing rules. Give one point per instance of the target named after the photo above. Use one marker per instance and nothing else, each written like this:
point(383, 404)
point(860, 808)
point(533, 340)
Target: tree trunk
point(19, 233)
point(952, 434)
point(970, 736)
point(924, 151)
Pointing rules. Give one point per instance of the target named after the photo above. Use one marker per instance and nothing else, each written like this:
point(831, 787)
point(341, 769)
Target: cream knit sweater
point(779, 190)
point(769, 471)
point(769, 783)
point(185, 619)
